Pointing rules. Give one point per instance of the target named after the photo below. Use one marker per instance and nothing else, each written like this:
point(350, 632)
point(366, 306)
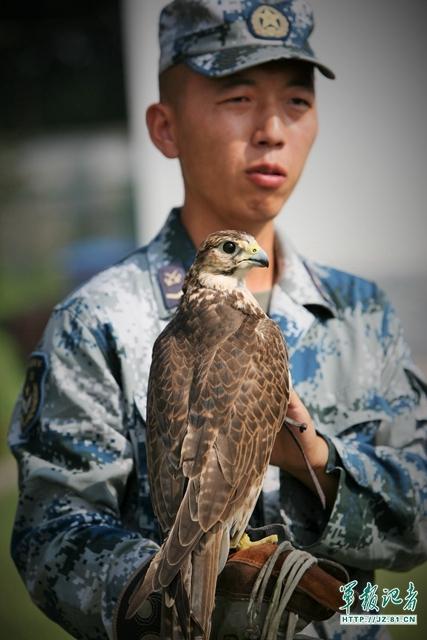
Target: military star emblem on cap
point(268, 22)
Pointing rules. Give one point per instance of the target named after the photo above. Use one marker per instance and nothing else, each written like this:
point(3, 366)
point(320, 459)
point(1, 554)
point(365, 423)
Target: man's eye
point(238, 99)
point(300, 102)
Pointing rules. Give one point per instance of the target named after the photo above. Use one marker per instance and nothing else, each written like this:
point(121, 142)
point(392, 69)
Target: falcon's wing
point(174, 368)
point(237, 404)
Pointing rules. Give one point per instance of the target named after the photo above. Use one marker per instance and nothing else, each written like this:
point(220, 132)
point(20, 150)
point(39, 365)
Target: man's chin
point(264, 212)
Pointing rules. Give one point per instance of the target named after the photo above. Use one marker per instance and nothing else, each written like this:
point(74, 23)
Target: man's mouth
point(268, 169)
point(267, 175)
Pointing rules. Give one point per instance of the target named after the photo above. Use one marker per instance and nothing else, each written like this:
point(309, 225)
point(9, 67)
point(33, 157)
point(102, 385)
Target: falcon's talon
point(246, 543)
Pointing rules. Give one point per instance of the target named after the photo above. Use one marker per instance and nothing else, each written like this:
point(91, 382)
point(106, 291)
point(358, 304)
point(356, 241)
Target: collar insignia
point(171, 278)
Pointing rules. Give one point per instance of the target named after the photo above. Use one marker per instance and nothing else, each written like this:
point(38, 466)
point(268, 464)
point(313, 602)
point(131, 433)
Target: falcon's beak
point(257, 255)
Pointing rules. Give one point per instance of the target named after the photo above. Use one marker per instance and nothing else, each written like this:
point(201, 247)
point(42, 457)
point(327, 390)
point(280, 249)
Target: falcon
point(217, 396)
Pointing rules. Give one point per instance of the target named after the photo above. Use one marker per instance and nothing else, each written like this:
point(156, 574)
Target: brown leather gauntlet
point(315, 597)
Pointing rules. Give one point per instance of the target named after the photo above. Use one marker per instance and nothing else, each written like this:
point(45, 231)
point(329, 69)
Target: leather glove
point(274, 591)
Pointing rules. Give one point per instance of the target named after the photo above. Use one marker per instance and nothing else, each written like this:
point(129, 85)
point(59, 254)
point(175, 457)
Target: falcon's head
point(229, 253)
point(223, 260)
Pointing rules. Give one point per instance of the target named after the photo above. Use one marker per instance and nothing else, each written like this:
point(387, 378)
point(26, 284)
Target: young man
point(237, 107)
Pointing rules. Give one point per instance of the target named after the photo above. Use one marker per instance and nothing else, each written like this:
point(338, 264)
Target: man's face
point(243, 140)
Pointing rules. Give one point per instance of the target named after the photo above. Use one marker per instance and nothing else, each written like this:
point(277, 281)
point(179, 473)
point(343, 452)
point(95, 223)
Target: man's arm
point(287, 455)
point(69, 436)
point(377, 470)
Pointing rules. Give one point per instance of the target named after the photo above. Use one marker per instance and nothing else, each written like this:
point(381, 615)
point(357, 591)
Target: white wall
point(157, 180)
point(365, 188)
point(361, 202)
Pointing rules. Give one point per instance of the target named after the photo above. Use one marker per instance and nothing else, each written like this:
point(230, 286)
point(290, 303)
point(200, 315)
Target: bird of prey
point(217, 396)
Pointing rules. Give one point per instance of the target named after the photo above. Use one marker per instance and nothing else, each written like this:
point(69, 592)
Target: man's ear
point(160, 123)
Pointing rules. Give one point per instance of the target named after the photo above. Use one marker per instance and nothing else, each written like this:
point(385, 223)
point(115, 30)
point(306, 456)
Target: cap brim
point(228, 61)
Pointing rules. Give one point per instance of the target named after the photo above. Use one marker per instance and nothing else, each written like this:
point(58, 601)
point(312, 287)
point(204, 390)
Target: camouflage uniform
point(85, 521)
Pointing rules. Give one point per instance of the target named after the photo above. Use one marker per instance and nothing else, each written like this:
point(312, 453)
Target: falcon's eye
point(229, 247)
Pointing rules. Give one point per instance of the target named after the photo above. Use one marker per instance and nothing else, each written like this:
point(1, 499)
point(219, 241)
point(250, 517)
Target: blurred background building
point(81, 185)
point(66, 204)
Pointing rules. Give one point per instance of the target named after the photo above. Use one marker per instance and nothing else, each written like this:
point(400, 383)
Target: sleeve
point(378, 519)
point(69, 436)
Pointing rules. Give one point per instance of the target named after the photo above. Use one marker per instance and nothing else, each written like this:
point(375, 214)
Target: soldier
point(237, 107)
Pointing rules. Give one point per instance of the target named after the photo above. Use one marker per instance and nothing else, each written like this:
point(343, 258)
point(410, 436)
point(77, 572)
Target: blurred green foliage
point(19, 292)
point(11, 377)
point(390, 580)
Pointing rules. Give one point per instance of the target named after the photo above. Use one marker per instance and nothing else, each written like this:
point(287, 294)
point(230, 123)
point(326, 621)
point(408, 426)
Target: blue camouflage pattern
point(85, 523)
point(219, 37)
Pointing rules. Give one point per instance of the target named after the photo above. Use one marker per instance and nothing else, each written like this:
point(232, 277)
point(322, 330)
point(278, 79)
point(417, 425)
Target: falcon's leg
point(246, 543)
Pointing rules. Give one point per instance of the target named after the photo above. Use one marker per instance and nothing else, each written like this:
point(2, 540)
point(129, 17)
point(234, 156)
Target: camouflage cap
point(219, 37)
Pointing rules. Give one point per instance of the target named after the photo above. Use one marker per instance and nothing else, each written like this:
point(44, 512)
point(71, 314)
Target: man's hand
point(287, 455)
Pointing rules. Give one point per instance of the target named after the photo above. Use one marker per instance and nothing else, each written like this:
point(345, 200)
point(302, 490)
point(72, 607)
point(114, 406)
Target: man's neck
point(199, 226)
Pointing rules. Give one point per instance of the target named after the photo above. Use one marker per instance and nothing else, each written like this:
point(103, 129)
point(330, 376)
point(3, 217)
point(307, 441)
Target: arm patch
point(33, 391)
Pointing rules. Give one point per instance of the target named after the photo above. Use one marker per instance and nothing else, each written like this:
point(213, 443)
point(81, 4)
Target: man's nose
point(270, 129)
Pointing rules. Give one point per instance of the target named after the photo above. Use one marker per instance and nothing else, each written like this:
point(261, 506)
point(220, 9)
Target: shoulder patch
point(33, 392)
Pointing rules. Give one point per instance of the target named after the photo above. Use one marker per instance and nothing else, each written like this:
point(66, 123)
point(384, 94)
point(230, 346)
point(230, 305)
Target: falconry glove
point(274, 590)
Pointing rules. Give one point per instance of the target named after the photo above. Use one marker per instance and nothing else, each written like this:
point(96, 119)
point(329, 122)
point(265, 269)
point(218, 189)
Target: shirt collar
point(300, 280)
point(171, 253)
